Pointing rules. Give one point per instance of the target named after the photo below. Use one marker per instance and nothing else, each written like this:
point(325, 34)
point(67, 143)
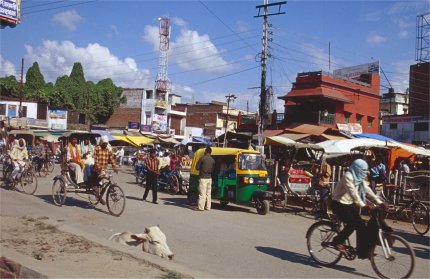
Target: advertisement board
point(57, 119)
point(353, 128)
point(133, 125)
point(146, 128)
point(10, 10)
point(159, 123)
point(354, 72)
point(12, 110)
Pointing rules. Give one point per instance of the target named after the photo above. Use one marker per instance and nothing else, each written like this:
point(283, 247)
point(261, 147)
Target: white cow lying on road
point(153, 241)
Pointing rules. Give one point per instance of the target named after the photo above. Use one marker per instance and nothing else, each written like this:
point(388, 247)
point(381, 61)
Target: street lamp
point(230, 98)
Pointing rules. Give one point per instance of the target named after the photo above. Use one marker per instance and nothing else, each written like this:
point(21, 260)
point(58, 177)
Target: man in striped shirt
point(151, 163)
point(103, 157)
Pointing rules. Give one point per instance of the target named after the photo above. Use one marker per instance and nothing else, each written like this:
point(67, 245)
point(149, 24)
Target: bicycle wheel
point(93, 198)
point(59, 192)
point(173, 185)
point(28, 182)
point(400, 261)
point(115, 200)
point(50, 166)
point(309, 204)
point(420, 218)
point(318, 240)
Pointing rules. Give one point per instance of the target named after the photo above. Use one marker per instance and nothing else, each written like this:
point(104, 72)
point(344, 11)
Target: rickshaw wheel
point(173, 185)
point(115, 200)
point(278, 198)
point(94, 197)
point(262, 206)
point(59, 192)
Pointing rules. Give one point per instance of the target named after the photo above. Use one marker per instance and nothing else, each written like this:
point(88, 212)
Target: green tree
point(9, 86)
point(35, 84)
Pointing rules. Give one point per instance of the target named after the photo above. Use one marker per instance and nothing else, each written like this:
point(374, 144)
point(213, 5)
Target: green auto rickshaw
point(240, 176)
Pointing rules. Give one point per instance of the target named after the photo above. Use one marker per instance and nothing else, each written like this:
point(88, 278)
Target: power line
point(232, 74)
point(40, 5)
point(60, 7)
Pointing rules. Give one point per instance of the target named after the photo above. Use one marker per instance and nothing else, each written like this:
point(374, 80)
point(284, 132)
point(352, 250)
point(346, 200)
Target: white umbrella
point(344, 146)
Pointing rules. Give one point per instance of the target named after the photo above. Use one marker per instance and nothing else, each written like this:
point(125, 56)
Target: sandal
point(341, 248)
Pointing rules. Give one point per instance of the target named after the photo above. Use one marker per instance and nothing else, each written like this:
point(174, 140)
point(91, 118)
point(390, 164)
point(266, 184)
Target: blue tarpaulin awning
point(375, 136)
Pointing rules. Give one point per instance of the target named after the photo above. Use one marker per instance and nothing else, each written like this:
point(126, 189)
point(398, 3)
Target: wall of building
point(419, 89)
point(11, 108)
point(406, 128)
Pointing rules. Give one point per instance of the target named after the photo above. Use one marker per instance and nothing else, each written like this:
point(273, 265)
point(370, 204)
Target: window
point(393, 126)
point(369, 122)
point(421, 126)
point(24, 111)
point(359, 118)
point(347, 118)
point(81, 118)
point(148, 118)
point(2, 109)
point(149, 94)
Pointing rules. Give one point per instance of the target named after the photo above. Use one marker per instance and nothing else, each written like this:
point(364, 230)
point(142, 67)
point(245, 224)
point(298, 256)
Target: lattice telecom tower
point(162, 84)
point(423, 38)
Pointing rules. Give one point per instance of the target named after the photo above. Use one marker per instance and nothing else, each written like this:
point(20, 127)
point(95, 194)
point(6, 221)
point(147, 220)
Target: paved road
point(232, 243)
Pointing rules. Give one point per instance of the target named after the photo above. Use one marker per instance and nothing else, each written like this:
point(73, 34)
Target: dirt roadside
point(70, 255)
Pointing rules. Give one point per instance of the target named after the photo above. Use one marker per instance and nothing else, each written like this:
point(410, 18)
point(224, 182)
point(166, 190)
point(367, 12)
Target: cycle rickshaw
point(66, 182)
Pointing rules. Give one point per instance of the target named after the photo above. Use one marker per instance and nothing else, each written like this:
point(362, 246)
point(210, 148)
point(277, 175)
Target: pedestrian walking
point(120, 155)
point(205, 165)
point(151, 163)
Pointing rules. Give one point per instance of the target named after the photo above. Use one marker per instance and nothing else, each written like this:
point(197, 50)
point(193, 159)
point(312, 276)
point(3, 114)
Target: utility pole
point(230, 98)
point(21, 89)
point(263, 93)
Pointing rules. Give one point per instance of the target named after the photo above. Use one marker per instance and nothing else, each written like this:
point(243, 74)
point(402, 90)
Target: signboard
point(10, 10)
point(132, 125)
point(353, 128)
point(159, 123)
point(146, 128)
point(57, 119)
point(11, 110)
point(354, 72)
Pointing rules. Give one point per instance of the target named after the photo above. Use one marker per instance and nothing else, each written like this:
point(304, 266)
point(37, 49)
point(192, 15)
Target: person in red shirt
point(152, 164)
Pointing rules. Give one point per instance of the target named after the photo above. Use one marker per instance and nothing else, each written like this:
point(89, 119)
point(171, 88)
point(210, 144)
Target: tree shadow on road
point(304, 259)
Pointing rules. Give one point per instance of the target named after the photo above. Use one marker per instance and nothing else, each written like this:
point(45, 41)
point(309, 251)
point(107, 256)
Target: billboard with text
point(10, 10)
point(354, 72)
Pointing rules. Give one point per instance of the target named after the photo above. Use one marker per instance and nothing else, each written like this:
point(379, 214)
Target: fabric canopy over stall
point(278, 140)
point(139, 140)
point(51, 138)
point(345, 146)
point(374, 136)
point(123, 139)
point(168, 140)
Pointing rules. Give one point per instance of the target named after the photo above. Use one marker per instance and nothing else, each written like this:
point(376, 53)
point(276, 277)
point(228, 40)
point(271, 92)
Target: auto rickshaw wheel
point(262, 206)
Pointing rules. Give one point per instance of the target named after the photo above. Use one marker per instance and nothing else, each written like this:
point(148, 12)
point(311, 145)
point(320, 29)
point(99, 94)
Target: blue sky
point(214, 44)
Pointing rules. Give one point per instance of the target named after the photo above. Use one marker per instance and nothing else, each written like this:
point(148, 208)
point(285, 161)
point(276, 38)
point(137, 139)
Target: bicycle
point(25, 178)
point(419, 214)
point(388, 253)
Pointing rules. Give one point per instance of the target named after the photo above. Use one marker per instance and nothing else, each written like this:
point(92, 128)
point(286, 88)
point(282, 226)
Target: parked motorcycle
point(140, 172)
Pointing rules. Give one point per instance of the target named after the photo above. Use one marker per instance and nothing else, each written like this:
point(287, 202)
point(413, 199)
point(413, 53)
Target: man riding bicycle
point(348, 197)
point(39, 154)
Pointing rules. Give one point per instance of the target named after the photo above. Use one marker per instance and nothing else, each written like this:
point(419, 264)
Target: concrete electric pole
point(262, 110)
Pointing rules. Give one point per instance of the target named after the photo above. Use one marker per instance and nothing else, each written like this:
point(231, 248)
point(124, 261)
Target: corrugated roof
point(306, 129)
point(294, 137)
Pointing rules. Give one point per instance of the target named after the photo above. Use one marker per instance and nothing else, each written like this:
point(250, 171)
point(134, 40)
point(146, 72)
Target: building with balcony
point(394, 103)
point(333, 101)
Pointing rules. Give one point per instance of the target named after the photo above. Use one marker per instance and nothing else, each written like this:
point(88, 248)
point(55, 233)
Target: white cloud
point(57, 58)
point(400, 77)
point(319, 58)
point(190, 50)
point(69, 19)
point(179, 22)
point(7, 68)
point(241, 26)
point(113, 31)
point(403, 34)
point(376, 39)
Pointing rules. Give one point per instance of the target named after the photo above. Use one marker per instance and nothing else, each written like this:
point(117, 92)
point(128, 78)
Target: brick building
point(419, 80)
point(323, 99)
point(212, 117)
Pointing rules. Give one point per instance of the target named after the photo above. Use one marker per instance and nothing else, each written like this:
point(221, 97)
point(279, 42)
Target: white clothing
point(205, 191)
